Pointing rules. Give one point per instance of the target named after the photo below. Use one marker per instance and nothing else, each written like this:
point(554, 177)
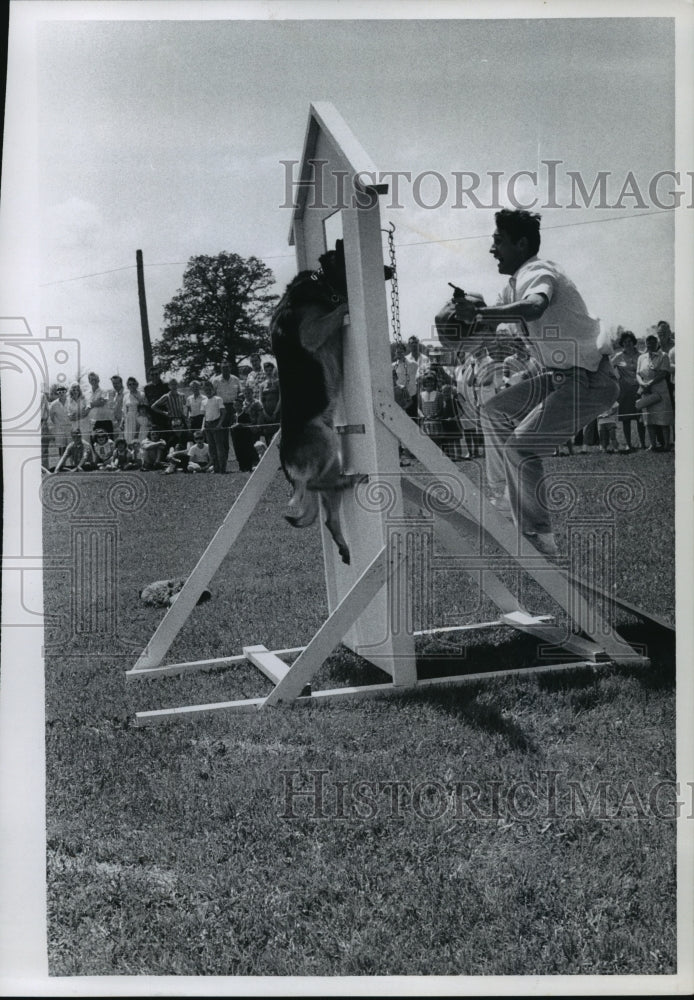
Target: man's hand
point(466, 309)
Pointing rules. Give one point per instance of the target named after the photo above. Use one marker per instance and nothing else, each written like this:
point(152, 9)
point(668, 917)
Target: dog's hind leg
point(331, 499)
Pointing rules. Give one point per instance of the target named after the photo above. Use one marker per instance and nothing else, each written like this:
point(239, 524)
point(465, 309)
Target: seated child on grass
point(123, 458)
point(195, 458)
point(103, 448)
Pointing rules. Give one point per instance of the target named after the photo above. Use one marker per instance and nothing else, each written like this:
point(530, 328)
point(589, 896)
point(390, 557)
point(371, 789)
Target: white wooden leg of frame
point(450, 527)
point(376, 574)
point(211, 559)
point(547, 575)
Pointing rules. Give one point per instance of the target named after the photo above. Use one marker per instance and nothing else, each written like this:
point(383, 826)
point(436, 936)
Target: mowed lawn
point(517, 826)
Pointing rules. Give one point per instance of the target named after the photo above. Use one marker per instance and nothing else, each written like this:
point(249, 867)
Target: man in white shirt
point(417, 356)
point(228, 388)
point(59, 420)
point(530, 419)
point(100, 411)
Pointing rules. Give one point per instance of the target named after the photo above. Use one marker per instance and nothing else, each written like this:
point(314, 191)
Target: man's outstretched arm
point(529, 308)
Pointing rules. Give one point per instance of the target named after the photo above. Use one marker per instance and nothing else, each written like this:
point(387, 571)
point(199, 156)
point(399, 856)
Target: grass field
point(513, 827)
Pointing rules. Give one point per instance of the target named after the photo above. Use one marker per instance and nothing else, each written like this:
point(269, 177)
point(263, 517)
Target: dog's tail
point(303, 506)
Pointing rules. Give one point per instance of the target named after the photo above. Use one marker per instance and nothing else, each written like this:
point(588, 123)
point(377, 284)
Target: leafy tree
point(219, 314)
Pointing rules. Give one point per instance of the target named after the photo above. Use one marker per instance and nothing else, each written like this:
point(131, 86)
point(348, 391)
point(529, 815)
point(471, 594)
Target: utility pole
point(144, 322)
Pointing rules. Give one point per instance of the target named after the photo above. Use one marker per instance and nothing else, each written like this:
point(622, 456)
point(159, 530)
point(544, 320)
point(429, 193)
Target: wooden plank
point(194, 711)
point(211, 559)
point(519, 619)
point(374, 577)
point(451, 528)
point(633, 609)
point(545, 573)
point(554, 635)
point(365, 514)
point(474, 626)
point(343, 138)
point(269, 663)
point(172, 669)
point(194, 666)
point(374, 690)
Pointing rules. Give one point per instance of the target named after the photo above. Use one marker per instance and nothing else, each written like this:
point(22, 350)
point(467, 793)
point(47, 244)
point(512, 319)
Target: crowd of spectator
point(163, 426)
point(166, 427)
point(446, 399)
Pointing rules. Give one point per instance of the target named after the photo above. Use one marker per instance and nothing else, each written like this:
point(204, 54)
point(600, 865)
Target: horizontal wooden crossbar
point(367, 691)
point(196, 666)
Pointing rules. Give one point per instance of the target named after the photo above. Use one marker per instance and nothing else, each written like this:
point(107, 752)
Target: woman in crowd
point(625, 363)
point(431, 408)
point(78, 410)
point(652, 374)
point(132, 400)
point(270, 405)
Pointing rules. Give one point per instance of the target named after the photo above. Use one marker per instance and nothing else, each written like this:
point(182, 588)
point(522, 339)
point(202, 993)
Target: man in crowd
point(418, 356)
point(228, 388)
point(78, 456)
point(154, 390)
point(59, 420)
point(530, 419)
point(172, 405)
point(100, 412)
point(115, 399)
point(256, 376)
point(406, 372)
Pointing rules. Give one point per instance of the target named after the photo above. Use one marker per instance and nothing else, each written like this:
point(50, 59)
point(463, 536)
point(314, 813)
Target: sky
point(169, 137)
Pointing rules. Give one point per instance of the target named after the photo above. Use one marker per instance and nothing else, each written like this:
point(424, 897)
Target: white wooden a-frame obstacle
point(367, 599)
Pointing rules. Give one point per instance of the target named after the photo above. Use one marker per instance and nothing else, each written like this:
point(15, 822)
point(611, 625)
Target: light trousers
point(527, 421)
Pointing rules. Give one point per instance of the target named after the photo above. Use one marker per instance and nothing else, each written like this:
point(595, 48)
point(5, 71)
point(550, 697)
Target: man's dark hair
point(518, 224)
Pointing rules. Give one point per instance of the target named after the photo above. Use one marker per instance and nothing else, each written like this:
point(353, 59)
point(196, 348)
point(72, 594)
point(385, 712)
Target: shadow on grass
point(659, 645)
point(464, 704)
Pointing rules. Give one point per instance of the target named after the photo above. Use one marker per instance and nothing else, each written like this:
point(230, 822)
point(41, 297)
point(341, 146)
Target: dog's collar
point(319, 275)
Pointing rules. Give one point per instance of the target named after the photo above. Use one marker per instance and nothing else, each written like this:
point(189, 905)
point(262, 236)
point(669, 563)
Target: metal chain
point(394, 294)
